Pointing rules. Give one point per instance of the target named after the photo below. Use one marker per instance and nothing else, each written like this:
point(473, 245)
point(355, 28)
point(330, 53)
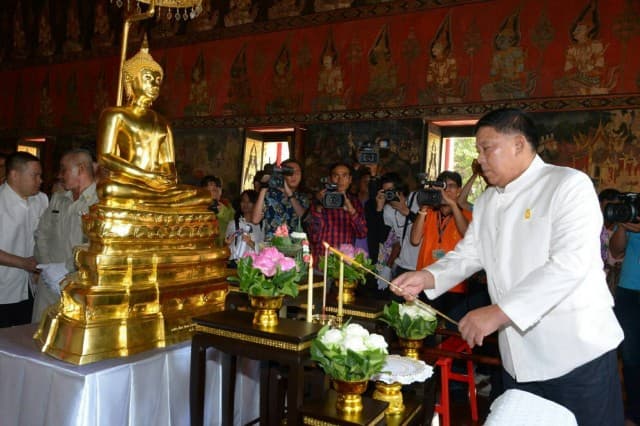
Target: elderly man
point(536, 233)
point(60, 228)
point(21, 205)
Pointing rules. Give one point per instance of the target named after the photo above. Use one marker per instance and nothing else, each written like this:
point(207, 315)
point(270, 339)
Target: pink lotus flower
point(268, 273)
point(281, 231)
point(348, 249)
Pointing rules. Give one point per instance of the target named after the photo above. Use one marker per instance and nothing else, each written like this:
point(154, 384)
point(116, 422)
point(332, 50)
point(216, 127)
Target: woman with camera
point(280, 200)
point(219, 205)
point(242, 236)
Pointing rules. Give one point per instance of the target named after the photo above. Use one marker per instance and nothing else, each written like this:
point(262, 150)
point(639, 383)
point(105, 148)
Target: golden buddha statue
point(136, 147)
point(151, 263)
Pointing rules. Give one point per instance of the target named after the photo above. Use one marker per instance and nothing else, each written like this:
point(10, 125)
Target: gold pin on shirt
point(527, 214)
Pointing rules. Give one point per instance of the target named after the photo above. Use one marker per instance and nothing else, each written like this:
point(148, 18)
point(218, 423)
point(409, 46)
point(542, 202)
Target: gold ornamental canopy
point(194, 5)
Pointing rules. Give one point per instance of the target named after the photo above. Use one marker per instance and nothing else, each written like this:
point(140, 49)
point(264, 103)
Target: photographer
point(336, 216)
point(398, 213)
point(625, 241)
point(242, 236)
point(437, 229)
point(279, 200)
point(220, 206)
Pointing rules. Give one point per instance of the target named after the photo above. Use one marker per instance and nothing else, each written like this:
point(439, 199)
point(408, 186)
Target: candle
point(340, 289)
point(324, 279)
point(310, 290)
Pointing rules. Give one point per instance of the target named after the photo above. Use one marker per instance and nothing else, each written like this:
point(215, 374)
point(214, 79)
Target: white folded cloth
point(52, 274)
point(519, 408)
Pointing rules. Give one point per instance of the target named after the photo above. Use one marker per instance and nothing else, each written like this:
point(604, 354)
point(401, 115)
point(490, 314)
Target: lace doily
point(403, 370)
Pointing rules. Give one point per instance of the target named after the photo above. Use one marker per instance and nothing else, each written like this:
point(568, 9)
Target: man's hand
point(446, 200)
point(29, 264)
point(347, 204)
point(400, 205)
point(410, 284)
point(481, 322)
point(631, 226)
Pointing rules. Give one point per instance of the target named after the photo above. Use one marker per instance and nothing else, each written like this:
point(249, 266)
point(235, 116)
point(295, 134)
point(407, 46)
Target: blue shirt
point(278, 210)
point(630, 273)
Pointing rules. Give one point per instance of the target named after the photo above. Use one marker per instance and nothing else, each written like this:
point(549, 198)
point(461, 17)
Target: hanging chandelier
point(175, 9)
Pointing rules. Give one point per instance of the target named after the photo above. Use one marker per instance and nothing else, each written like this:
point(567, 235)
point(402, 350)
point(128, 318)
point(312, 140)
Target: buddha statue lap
point(150, 264)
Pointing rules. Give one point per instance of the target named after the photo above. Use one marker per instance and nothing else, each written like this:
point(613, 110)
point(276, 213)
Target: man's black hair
point(210, 178)
point(18, 161)
point(609, 194)
point(454, 176)
point(511, 120)
point(343, 164)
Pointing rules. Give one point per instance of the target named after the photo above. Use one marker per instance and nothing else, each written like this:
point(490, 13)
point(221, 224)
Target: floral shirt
point(278, 210)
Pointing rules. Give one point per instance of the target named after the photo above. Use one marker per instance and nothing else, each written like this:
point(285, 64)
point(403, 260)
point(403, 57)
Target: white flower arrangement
point(349, 353)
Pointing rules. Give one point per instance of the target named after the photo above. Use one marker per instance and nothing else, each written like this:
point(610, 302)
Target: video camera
point(332, 199)
point(368, 154)
point(276, 175)
point(430, 195)
point(627, 210)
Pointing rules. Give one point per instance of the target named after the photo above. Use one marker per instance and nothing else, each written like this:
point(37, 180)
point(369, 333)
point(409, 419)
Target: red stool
point(454, 344)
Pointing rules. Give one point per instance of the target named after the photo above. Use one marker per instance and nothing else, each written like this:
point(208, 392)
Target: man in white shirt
point(536, 233)
point(21, 204)
point(60, 228)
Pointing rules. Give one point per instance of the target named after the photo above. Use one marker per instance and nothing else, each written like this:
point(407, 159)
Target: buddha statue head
point(142, 75)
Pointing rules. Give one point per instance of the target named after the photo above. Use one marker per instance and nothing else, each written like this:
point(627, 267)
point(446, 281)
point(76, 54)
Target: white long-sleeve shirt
point(538, 241)
point(18, 220)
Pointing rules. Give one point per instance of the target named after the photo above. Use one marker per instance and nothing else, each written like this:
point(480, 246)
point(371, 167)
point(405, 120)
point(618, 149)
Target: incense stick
point(419, 303)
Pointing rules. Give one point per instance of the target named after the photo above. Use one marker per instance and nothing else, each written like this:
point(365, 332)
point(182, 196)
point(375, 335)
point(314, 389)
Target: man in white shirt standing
point(60, 228)
point(536, 233)
point(21, 204)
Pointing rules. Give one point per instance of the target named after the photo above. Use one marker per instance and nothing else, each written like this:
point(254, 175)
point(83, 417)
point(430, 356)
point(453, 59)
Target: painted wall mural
point(457, 55)
point(603, 144)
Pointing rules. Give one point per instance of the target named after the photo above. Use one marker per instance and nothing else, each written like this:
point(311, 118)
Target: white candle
point(324, 279)
point(310, 290)
point(340, 289)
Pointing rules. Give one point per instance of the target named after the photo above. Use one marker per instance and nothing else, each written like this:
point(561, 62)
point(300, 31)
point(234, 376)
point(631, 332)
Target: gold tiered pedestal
point(140, 280)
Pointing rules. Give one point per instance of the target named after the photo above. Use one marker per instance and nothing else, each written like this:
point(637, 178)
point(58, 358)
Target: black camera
point(276, 175)
point(391, 195)
point(367, 154)
point(213, 207)
point(332, 199)
point(626, 210)
point(429, 195)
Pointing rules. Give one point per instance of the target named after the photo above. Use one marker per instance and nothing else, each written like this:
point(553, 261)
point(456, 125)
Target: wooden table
point(233, 334)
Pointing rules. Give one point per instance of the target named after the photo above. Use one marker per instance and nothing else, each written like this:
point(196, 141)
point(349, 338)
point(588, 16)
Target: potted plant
point(352, 274)
point(349, 355)
point(411, 323)
point(267, 277)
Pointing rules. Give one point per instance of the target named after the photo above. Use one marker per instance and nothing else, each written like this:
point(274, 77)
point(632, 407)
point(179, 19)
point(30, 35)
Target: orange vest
point(440, 235)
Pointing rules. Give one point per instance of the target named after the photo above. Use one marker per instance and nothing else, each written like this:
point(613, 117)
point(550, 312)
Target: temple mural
point(430, 57)
point(339, 142)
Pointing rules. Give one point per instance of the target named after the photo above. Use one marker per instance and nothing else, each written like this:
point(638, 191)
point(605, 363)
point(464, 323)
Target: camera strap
point(406, 218)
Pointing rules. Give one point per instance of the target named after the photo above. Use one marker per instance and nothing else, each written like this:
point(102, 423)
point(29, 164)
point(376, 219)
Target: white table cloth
point(151, 388)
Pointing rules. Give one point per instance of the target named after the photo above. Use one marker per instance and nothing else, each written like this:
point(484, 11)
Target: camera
point(626, 210)
point(276, 175)
point(213, 207)
point(391, 195)
point(332, 199)
point(429, 195)
point(367, 154)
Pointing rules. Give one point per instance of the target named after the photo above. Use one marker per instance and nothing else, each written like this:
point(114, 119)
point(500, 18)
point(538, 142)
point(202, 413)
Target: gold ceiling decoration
point(177, 9)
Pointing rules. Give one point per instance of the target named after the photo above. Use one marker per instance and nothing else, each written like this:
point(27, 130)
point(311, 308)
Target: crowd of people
point(533, 232)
